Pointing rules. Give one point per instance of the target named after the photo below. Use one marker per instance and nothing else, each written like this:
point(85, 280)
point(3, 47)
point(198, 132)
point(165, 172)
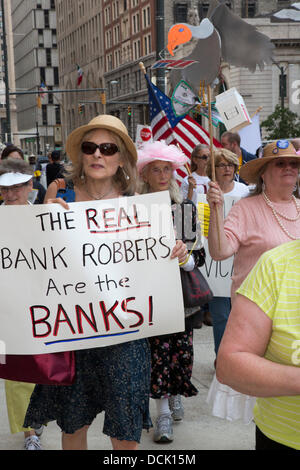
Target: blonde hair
point(225, 154)
point(125, 177)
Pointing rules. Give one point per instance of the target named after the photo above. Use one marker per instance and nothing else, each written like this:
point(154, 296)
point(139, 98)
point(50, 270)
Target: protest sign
point(97, 274)
point(217, 273)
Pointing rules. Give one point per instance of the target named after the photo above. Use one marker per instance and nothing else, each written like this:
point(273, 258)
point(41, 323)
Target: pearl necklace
point(277, 213)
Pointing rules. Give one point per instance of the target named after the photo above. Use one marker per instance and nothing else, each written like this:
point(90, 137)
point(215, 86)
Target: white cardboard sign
point(218, 273)
point(97, 274)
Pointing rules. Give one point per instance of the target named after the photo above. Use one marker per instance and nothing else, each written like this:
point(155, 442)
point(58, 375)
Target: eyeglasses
point(158, 171)
point(205, 157)
point(106, 149)
point(225, 165)
point(15, 189)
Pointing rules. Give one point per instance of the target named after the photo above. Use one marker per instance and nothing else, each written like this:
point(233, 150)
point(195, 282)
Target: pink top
point(252, 229)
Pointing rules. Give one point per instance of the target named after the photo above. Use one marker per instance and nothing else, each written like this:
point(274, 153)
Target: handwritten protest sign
point(97, 274)
point(217, 273)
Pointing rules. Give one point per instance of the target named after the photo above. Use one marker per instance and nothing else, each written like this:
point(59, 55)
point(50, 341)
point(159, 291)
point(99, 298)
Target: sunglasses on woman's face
point(106, 149)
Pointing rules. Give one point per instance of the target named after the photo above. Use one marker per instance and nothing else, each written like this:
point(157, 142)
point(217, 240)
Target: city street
point(198, 431)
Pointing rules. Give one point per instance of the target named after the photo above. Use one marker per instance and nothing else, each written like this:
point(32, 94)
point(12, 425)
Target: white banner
point(97, 274)
point(217, 273)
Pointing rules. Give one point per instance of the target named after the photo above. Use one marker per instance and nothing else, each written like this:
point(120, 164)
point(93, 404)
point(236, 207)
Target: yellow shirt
point(274, 285)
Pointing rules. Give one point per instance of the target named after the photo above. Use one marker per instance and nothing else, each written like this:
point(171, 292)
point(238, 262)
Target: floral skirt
point(172, 364)
point(114, 379)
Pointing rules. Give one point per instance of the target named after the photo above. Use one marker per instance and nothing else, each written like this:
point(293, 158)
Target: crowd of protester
point(254, 327)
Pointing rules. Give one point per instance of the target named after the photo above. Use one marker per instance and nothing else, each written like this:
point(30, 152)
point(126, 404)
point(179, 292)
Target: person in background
point(226, 167)
point(16, 177)
point(171, 355)
point(259, 353)
point(232, 141)
point(54, 169)
point(267, 218)
point(38, 190)
point(196, 182)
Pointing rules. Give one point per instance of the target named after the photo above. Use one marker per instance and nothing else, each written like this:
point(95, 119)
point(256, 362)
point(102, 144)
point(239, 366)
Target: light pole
point(6, 79)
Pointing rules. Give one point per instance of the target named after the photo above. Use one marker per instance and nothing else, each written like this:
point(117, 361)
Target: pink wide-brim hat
point(161, 151)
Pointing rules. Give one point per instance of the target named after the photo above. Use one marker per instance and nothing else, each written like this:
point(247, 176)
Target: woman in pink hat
point(172, 355)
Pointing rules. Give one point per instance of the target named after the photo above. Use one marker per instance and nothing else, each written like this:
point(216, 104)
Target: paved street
point(198, 431)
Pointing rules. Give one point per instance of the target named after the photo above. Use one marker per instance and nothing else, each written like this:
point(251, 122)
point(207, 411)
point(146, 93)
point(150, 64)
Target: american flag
point(183, 130)
point(172, 64)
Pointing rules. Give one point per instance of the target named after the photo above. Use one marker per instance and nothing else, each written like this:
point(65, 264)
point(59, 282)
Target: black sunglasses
point(201, 158)
point(106, 149)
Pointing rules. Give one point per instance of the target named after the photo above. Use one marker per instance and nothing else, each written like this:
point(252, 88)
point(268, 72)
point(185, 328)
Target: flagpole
point(212, 156)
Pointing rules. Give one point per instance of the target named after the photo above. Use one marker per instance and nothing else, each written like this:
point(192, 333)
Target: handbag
point(46, 369)
point(195, 289)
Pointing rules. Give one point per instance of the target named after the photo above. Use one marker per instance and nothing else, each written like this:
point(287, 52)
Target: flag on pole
point(182, 130)
point(79, 75)
point(42, 89)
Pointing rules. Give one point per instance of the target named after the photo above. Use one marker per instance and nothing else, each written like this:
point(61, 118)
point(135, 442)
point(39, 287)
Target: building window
point(203, 9)
point(248, 8)
point(55, 75)
point(180, 12)
point(48, 57)
point(57, 114)
point(44, 115)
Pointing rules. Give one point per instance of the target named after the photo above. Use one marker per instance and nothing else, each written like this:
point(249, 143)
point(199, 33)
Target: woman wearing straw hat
point(114, 379)
point(172, 355)
point(16, 178)
point(267, 218)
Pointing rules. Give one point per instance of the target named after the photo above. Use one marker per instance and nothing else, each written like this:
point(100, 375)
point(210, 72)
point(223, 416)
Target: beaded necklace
point(277, 213)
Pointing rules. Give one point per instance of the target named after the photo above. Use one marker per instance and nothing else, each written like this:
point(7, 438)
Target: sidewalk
point(198, 431)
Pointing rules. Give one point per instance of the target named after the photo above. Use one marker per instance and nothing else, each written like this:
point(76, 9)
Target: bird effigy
point(222, 36)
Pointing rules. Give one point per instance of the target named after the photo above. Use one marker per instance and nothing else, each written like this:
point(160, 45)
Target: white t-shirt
point(202, 186)
point(239, 189)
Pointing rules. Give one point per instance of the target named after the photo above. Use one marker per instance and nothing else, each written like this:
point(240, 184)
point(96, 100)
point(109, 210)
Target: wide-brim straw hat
point(277, 149)
point(103, 121)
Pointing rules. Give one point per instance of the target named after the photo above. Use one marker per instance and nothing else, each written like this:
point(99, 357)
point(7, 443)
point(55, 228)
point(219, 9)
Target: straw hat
point(277, 149)
point(160, 150)
point(103, 121)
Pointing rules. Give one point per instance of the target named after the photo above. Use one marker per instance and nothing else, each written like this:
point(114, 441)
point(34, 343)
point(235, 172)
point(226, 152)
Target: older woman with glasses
point(267, 218)
point(197, 181)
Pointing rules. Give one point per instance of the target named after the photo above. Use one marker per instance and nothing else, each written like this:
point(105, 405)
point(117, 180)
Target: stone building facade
point(36, 62)
point(109, 38)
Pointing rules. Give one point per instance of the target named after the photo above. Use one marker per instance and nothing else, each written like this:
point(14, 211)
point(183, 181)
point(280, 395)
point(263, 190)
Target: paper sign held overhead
point(233, 110)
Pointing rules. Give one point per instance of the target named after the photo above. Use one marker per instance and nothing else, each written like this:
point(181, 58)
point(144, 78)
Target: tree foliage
point(282, 124)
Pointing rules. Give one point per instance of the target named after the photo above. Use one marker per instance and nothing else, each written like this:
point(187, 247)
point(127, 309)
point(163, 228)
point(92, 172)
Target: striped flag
point(79, 75)
point(42, 89)
point(182, 130)
point(173, 64)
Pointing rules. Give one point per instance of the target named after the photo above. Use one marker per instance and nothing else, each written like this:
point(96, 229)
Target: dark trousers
point(265, 443)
